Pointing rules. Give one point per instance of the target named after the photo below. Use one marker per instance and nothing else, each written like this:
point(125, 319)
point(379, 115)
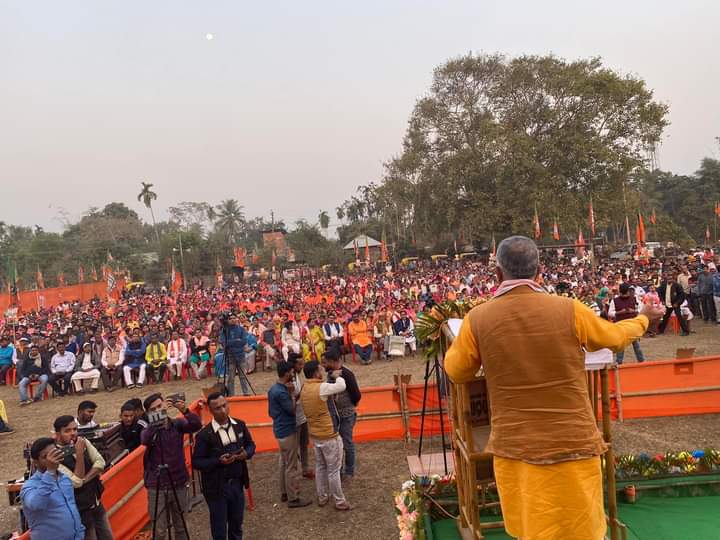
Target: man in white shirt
point(176, 354)
point(61, 369)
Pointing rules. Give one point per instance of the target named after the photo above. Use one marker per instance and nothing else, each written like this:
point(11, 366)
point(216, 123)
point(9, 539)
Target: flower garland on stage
point(669, 464)
point(415, 499)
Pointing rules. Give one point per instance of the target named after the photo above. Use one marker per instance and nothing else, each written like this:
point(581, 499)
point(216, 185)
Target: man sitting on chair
point(405, 328)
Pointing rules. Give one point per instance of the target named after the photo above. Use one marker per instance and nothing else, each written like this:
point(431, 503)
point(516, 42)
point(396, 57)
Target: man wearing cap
point(87, 367)
point(30, 369)
point(62, 365)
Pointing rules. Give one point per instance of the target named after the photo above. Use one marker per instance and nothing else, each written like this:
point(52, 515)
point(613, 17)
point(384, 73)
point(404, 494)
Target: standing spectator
point(301, 428)
point(165, 446)
point(134, 360)
point(87, 367)
point(222, 449)
point(625, 306)
point(112, 361)
point(86, 415)
point(705, 291)
point(327, 443)
point(360, 338)
point(716, 291)
point(233, 339)
point(33, 368)
point(343, 409)
point(130, 428)
point(47, 496)
point(61, 369)
point(177, 354)
point(8, 358)
point(83, 466)
point(672, 296)
point(281, 408)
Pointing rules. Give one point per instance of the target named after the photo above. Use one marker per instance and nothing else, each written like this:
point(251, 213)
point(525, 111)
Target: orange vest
point(535, 371)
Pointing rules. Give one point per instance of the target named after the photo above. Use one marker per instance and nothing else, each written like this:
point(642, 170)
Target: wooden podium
point(471, 414)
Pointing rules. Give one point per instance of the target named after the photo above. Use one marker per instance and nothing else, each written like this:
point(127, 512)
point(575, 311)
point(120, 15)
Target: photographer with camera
point(47, 496)
point(166, 476)
point(233, 338)
point(222, 449)
point(83, 465)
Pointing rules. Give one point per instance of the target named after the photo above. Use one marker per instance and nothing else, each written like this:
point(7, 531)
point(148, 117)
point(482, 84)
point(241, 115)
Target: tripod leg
point(436, 367)
point(422, 416)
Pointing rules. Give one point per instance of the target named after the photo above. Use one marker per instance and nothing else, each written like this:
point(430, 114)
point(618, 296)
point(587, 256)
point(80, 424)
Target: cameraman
point(164, 442)
point(222, 449)
point(83, 464)
point(233, 338)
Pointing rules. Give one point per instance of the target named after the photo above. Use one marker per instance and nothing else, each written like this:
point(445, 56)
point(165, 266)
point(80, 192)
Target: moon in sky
point(209, 37)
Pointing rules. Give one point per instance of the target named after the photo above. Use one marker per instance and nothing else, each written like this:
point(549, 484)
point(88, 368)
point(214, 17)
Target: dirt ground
point(382, 466)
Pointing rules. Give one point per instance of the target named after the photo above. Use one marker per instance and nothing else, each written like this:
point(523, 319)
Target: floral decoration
point(668, 464)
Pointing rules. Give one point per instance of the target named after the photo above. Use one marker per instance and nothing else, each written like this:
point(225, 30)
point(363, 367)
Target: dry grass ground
point(381, 465)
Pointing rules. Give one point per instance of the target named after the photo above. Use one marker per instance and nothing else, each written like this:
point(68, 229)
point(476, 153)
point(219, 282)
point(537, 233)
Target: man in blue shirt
point(281, 408)
point(233, 338)
point(7, 358)
point(47, 496)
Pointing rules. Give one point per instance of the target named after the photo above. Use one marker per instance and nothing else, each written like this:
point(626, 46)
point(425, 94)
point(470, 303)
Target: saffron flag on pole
point(239, 257)
point(111, 282)
point(367, 250)
point(556, 230)
point(640, 231)
point(93, 274)
point(274, 258)
point(61, 279)
point(175, 280)
point(591, 218)
point(581, 243)
point(717, 209)
point(81, 274)
point(494, 246)
point(39, 279)
point(383, 250)
point(536, 224)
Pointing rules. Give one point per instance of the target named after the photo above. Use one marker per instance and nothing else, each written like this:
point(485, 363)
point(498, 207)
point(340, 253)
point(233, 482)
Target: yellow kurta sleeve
point(462, 360)
point(595, 333)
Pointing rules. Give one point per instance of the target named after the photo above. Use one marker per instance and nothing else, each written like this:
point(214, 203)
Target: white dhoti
point(127, 372)
point(79, 376)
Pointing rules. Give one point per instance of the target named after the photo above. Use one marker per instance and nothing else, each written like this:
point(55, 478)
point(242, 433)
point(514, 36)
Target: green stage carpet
point(651, 518)
point(674, 518)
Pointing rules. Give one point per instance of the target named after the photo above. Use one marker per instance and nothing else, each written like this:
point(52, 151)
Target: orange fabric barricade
point(669, 387)
point(45, 298)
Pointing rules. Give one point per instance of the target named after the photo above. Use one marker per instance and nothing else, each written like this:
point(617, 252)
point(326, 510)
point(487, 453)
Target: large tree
point(496, 136)
point(229, 220)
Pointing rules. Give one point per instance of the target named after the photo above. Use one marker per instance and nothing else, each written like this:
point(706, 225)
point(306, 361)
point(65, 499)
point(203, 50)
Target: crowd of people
point(302, 328)
point(150, 336)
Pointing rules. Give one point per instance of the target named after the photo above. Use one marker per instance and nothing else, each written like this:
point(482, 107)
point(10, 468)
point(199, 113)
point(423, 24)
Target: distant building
point(359, 242)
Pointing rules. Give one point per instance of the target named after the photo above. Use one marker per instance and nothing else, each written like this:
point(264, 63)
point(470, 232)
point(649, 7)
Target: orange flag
point(640, 233)
point(39, 279)
point(536, 224)
point(653, 217)
point(591, 218)
point(61, 279)
point(556, 231)
point(367, 250)
point(93, 274)
point(175, 280)
point(239, 257)
point(81, 274)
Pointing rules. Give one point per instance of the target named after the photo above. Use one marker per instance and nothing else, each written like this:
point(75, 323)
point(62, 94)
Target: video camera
point(157, 418)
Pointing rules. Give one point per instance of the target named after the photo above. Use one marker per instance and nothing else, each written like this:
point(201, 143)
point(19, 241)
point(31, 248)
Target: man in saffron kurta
point(544, 438)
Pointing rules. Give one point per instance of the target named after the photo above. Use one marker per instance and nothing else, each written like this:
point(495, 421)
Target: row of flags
point(40, 279)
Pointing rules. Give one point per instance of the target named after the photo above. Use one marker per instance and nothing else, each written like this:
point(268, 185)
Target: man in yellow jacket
point(544, 438)
point(327, 443)
point(156, 358)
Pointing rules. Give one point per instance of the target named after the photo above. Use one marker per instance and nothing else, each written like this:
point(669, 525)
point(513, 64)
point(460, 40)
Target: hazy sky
point(292, 104)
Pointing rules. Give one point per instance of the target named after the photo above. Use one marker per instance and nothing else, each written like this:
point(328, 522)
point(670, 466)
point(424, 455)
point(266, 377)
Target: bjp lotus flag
point(61, 279)
point(556, 231)
point(536, 224)
point(39, 279)
point(81, 274)
point(591, 218)
point(93, 274)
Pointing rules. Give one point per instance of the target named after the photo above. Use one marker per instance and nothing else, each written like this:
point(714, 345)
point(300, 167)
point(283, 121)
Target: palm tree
point(147, 196)
point(229, 219)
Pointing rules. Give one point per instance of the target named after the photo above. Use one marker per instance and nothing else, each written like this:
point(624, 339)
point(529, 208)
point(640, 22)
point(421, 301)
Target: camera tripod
point(165, 492)
point(230, 359)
